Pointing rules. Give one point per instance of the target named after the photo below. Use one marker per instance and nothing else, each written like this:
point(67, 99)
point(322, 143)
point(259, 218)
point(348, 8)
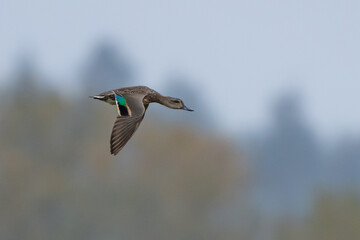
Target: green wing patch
point(123, 108)
point(120, 100)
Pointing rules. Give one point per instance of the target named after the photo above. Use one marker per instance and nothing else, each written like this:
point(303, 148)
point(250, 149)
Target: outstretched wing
point(126, 125)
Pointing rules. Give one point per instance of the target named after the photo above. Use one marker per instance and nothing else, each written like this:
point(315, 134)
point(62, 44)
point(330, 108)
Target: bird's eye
point(175, 101)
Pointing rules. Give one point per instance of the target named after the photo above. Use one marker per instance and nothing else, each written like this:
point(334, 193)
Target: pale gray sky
point(243, 53)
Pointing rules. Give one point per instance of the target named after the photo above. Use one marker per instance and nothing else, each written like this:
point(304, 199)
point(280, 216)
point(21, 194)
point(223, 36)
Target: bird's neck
point(163, 100)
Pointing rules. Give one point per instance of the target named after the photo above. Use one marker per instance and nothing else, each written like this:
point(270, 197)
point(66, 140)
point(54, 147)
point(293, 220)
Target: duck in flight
point(131, 104)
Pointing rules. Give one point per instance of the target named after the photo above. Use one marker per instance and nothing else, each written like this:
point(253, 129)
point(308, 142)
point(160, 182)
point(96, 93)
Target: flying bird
point(131, 104)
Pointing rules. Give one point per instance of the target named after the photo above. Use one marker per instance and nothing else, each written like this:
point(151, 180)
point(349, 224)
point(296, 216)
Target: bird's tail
point(105, 98)
point(99, 97)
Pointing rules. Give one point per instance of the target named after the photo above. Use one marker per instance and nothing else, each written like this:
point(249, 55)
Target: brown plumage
point(132, 103)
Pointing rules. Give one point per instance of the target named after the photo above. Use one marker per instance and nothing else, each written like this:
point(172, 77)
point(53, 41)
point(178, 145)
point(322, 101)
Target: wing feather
point(125, 126)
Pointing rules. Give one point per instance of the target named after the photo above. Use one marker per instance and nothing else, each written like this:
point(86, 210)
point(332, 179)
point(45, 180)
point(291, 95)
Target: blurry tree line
point(177, 178)
point(310, 187)
point(59, 181)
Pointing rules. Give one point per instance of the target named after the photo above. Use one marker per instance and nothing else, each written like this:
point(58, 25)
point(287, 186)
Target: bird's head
point(177, 103)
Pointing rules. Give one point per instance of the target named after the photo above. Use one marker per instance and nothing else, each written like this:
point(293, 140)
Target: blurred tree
point(344, 169)
point(58, 180)
point(192, 173)
point(332, 217)
point(107, 70)
point(30, 109)
point(335, 217)
point(289, 151)
point(28, 175)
